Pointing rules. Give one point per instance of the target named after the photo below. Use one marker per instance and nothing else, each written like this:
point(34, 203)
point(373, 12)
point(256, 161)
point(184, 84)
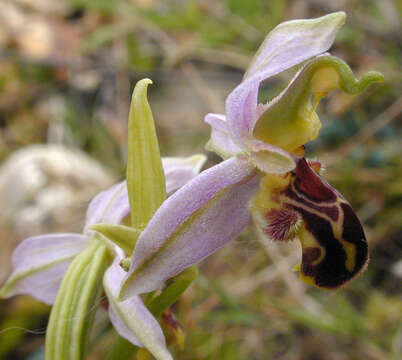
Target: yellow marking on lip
point(297, 267)
point(268, 194)
point(350, 250)
point(309, 280)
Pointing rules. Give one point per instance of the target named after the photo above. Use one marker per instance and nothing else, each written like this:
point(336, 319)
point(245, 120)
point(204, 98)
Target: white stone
point(43, 189)
point(46, 188)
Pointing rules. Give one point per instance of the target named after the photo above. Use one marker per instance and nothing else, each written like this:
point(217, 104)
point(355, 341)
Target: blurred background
point(67, 70)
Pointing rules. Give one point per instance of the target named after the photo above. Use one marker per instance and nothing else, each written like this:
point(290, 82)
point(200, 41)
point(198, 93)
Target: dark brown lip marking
point(331, 211)
point(311, 185)
point(353, 233)
point(311, 192)
point(311, 254)
point(330, 272)
point(338, 249)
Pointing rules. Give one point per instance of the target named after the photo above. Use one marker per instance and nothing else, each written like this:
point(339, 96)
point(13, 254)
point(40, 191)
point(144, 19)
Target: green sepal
point(145, 176)
point(72, 315)
point(176, 286)
point(123, 236)
point(289, 121)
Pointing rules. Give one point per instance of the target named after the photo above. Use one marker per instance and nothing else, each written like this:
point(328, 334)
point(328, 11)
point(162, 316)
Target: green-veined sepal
point(73, 312)
point(145, 176)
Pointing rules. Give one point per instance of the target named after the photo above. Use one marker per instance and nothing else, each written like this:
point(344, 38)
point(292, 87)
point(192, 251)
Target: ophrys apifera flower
point(264, 174)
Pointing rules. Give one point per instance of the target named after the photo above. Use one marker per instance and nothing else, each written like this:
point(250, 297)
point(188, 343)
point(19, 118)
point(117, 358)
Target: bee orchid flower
point(40, 262)
point(264, 174)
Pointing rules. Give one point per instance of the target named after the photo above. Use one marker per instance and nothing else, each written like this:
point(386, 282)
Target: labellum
point(301, 203)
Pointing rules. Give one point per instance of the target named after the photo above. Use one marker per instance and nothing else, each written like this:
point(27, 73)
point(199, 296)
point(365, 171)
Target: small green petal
point(123, 236)
point(145, 176)
point(290, 120)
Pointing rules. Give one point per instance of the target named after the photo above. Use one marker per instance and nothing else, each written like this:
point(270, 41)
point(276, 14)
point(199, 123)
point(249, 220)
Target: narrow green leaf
point(145, 176)
point(123, 236)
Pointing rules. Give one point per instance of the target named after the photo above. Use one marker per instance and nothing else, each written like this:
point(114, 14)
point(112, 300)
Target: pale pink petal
point(131, 319)
point(293, 42)
point(39, 264)
point(221, 141)
point(198, 219)
point(112, 205)
point(180, 170)
point(241, 112)
point(109, 206)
